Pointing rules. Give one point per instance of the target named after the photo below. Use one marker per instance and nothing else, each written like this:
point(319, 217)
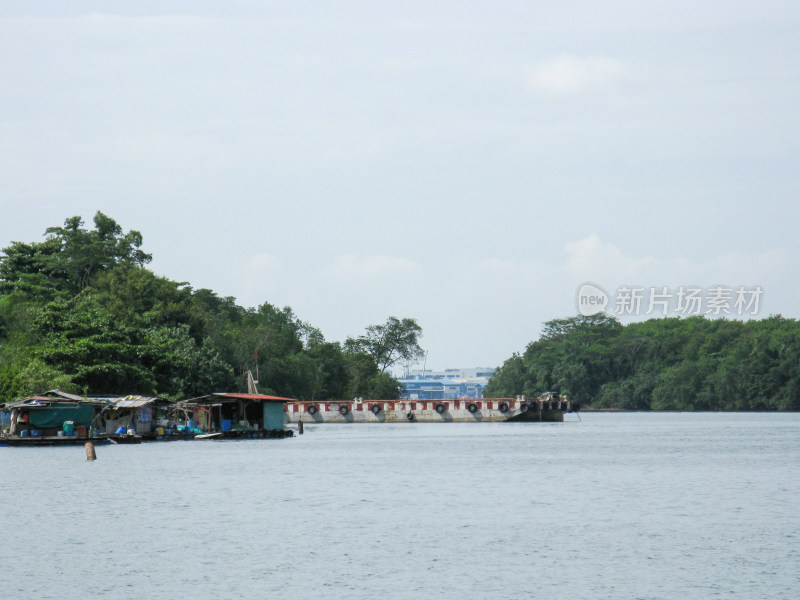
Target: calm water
point(616, 506)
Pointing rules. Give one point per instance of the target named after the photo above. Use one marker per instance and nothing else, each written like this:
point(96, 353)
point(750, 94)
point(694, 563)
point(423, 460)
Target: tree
point(81, 310)
point(38, 377)
point(82, 253)
point(70, 256)
point(383, 386)
point(661, 364)
point(97, 352)
point(396, 341)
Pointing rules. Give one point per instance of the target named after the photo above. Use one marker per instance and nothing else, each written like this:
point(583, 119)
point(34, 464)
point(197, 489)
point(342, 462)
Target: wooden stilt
point(90, 454)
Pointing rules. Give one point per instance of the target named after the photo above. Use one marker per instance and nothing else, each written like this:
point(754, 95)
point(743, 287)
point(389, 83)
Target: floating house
point(54, 417)
point(57, 417)
point(142, 414)
point(238, 415)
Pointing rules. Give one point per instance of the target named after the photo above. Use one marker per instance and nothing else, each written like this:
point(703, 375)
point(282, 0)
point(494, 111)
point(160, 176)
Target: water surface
point(619, 505)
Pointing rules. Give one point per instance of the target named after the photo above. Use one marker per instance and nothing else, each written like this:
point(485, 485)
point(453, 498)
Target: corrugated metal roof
point(259, 397)
point(55, 394)
point(134, 401)
point(66, 395)
point(253, 397)
point(47, 402)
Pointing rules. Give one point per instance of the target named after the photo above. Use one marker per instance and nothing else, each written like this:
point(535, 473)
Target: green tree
point(383, 386)
point(396, 341)
point(38, 377)
point(98, 352)
point(70, 256)
point(661, 364)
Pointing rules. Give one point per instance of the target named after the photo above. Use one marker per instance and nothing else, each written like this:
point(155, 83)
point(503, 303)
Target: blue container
point(191, 424)
point(23, 433)
point(68, 427)
point(120, 430)
point(36, 433)
point(226, 424)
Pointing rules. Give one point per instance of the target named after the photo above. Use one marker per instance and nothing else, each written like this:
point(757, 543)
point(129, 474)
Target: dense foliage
point(81, 312)
point(394, 342)
point(661, 364)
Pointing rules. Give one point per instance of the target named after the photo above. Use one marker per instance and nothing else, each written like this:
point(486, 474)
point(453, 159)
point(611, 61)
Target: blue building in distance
point(450, 383)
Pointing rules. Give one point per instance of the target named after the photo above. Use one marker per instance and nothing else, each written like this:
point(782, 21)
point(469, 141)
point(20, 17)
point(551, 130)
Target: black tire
point(376, 409)
point(440, 408)
point(503, 407)
point(473, 408)
point(344, 409)
point(311, 409)
point(523, 407)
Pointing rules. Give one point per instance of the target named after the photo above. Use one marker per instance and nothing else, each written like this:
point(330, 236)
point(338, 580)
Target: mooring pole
point(300, 426)
point(90, 454)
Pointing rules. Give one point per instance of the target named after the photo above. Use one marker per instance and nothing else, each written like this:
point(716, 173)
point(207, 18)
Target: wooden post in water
point(300, 426)
point(90, 454)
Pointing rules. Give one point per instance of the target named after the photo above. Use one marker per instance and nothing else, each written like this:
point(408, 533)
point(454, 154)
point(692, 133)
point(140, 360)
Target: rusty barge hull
point(429, 411)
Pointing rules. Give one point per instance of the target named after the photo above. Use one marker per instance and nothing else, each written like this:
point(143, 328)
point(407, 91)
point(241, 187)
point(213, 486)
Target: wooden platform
point(52, 441)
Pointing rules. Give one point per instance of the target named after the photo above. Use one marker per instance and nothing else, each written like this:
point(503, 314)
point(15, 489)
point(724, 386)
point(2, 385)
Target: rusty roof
point(232, 396)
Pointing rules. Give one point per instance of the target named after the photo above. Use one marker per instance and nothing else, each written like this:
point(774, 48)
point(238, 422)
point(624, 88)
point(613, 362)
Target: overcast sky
point(468, 164)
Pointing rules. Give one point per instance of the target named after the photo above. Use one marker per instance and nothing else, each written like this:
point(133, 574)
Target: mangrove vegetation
point(661, 364)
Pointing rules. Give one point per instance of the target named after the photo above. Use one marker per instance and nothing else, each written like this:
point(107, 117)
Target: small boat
point(207, 436)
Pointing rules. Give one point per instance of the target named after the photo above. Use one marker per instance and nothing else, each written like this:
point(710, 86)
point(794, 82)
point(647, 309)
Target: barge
point(546, 408)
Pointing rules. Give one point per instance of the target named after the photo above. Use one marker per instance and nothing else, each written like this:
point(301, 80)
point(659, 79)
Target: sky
point(467, 164)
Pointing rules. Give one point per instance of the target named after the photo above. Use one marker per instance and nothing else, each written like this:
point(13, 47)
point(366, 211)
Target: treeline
point(80, 311)
point(661, 364)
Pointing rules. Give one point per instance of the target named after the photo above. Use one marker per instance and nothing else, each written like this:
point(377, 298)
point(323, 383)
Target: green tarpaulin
point(273, 415)
point(56, 415)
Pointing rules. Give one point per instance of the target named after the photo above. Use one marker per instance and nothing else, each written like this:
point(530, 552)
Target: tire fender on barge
point(549, 407)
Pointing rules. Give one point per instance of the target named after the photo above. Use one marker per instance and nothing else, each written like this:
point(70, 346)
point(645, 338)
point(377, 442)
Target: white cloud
point(352, 268)
point(568, 75)
point(592, 259)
